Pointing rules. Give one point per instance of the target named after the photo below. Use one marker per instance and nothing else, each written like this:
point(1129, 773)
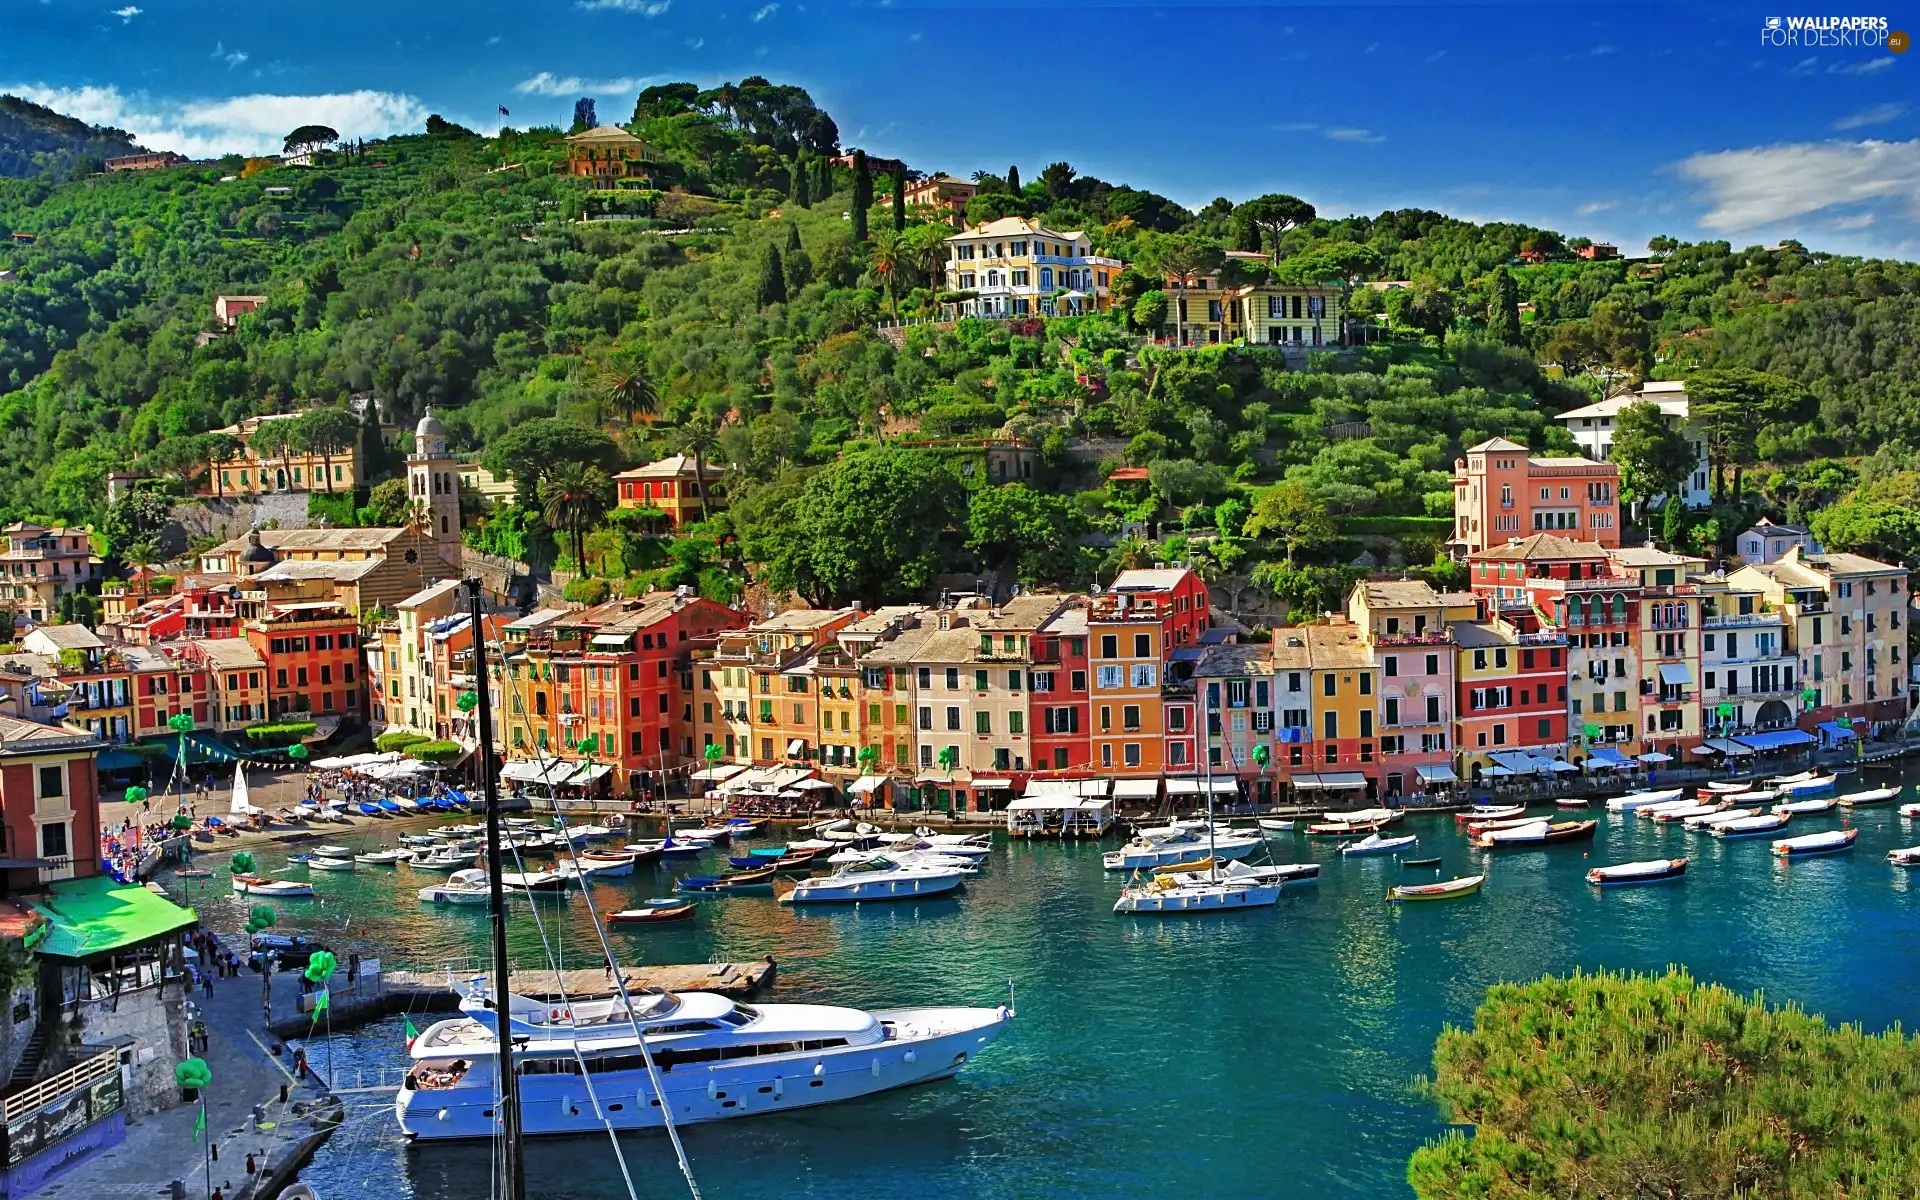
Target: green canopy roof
point(96, 916)
point(203, 748)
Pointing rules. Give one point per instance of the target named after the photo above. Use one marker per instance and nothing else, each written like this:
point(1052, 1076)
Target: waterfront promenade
point(161, 1147)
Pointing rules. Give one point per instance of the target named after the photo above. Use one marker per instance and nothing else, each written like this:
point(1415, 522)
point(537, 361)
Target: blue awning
point(1777, 739)
point(1836, 731)
point(121, 760)
point(1607, 756)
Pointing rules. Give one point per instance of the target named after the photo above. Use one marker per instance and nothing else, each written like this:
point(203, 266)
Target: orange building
point(942, 192)
point(673, 485)
point(312, 651)
point(1501, 494)
point(607, 154)
point(49, 803)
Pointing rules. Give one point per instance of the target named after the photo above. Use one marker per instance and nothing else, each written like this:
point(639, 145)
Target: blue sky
point(1617, 122)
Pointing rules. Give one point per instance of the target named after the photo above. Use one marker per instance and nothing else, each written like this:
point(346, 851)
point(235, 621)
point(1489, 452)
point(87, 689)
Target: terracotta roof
point(902, 649)
point(229, 653)
point(66, 637)
point(1400, 593)
point(1540, 546)
point(604, 133)
point(18, 737)
point(1154, 579)
point(1499, 445)
point(799, 620)
point(314, 539)
point(1028, 613)
point(1338, 647)
point(339, 572)
point(674, 467)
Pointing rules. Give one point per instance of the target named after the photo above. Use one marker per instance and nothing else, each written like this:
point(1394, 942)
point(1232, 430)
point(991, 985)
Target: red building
point(165, 682)
point(312, 652)
point(1183, 602)
point(1058, 700)
point(49, 803)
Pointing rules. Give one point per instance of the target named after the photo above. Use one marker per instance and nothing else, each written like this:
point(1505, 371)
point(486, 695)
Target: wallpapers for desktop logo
point(1869, 33)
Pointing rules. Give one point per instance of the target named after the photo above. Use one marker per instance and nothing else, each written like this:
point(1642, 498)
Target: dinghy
point(1832, 841)
point(1809, 787)
point(1572, 802)
point(1706, 823)
point(1680, 812)
point(1910, 811)
point(1451, 889)
point(1797, 808)
point(384, 858)
point(369, 810)
point(1534, 834)
point(260, 885)
point(1635, 800)
point(1489, 812)
point(1908, 856)
point(1654, 870)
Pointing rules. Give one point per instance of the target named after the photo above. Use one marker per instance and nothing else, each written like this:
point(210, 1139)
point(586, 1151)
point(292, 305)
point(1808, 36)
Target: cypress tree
point(773, 280)
point(793, 238)
point(824, 184)
point(1503, 310)
point(801, 192)
point(1013, 179)
point(899, 197)
point(862, 195)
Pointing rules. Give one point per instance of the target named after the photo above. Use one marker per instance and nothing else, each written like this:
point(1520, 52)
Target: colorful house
point(676, 486)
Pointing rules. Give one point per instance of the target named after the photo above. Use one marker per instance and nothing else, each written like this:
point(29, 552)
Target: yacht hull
point(552, 1105)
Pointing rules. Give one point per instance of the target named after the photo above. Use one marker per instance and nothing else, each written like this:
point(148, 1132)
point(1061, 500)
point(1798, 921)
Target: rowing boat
point(1832, 841)
point(1452, 888)
point(1655, 870)
point(1411, 863)
point(1872, 796)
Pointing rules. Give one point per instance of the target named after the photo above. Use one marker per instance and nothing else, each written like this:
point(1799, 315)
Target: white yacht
point(1146, 851)
point(878, 878)
point(1197, 893)
point(906, 858)
point(462, 887)
point(716, 1060)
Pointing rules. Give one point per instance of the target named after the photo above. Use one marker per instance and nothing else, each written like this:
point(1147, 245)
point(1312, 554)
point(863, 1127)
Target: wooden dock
point(738, 980)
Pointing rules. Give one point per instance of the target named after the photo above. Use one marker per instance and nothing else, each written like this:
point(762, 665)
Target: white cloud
point(255, 124)
point(232, 58)
point(764, 11)
point(128, 13)
point(1596, 206)
point(1878, 114)
point(1604, 48)
point(1861, 221)
point(1371, 47)
point(1872, 66)
point(1367, 136)
point(695, 43)
point(646, 8)
point(546, 83)
point(1760, 185)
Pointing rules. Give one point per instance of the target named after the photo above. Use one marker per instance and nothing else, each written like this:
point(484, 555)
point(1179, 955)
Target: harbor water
point(1256, 1054)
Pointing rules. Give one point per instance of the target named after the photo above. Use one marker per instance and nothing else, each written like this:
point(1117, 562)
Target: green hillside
point(735, 315)
point(34, 140)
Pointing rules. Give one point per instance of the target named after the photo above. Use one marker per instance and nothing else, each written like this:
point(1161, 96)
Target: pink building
point(1409, 629)
point(1501, 494)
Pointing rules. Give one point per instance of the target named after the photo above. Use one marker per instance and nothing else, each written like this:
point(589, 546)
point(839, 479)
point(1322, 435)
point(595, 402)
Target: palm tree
point(698, 436)
point(626, 383)
point(927, 249)
point(891, 254)
point(573, 497)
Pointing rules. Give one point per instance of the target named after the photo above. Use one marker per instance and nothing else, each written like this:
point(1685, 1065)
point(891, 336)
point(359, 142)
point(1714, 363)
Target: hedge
point(1390, 526)
point(435, 752)
point(281, 729)
point(398, 739)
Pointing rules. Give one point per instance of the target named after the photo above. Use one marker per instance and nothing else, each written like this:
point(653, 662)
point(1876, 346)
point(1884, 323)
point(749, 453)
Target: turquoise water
point(1246, 1055)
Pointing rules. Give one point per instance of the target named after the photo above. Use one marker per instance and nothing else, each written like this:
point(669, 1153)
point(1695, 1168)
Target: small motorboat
point(1798, 777)
point(1755, 826)
point(1374, 844)
point(1449, 890)
point(609, 865)
point(441, 860)
point(1687, 803)
point(534, 881)
point(1809, 787)
point(1636, 800)
point(406, 805)
point(733, 883)
point(1342, 829)
point(369, 810)
point(654, 910)
point(1910, 811)
point(875, 879)
point(1536, 833)
point(469, 888)
point(384, 858)
point(1726, 787)
point(1799, 808)
point(1908, 856)
point(389, 805)
point(1275, 825)
point(1707, 822)
point(1872, 796)
point(1668, 813)
point(1282, 873)
point(1362, 816)
point(1653, 870)
point(1572, 802)
point(1489, 812)
point(1509, 823)
point(333, 851)
point(718, 835)
point(1414, 863)
point(744, 827)
point(193, 872)
point(260, 885)
point(1831, 841)
point(1144, 851)
point(674, 847)
point(418, 840)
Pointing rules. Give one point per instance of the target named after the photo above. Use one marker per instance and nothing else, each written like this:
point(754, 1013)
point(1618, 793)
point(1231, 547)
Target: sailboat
point(242, 805)
point(1170, 894)
point(658, 1058)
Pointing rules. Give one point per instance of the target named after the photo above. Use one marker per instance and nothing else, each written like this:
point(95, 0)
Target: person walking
point(206, 981)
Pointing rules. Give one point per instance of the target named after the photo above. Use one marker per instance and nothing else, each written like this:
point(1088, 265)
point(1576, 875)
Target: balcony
point(1430, 638)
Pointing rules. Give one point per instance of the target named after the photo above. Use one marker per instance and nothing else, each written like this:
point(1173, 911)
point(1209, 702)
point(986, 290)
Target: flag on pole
point(200, 1124)
point(412, 1033)
point(504, 112)
point(320, 1002)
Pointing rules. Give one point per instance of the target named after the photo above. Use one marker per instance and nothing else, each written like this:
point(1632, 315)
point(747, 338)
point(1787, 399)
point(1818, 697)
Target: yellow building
point(676, 486)
point(1016, 266)
point(1212, 309)
point(268, 468)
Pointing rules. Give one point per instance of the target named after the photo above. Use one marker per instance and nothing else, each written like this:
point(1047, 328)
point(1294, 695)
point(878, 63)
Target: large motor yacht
point(716, 1059)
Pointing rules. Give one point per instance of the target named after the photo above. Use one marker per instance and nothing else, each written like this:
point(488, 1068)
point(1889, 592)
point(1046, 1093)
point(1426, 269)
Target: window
point(1143, 674)
point(953, 716)
point(980, 681)
point(1328, 684)
point(1390, 667)
point(983, 722)
point(1143, 645)
point(53, 840)
point(1130, 716)
point(1112, 677)
point(1130, 753)
point(953, 679)
point(1366, 722)
point(926, 677)
point(52, 782)
point(1330, 725)
point(1079, 679)
point(1177, 720)
point(1366, 684)
point(1109, 645)
point(1016, 722)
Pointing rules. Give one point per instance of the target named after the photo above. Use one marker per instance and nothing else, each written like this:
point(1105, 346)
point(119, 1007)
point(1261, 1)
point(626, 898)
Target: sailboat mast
point(1206, 760)
point(516, 1171)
